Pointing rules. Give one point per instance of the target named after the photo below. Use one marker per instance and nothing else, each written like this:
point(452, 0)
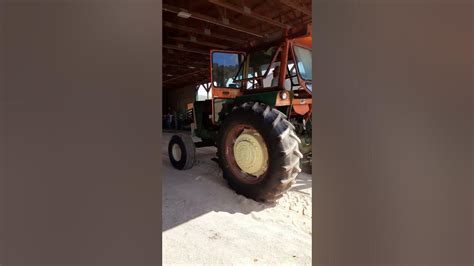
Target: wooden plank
point(249, 13)
point(194, 15)
point(295, 6)
point(184, 49)
point(209, 44)
point(185, 75)
point(201, 32)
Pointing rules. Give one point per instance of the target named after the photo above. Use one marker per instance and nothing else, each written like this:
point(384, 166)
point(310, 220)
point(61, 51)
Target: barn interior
point(192, 28)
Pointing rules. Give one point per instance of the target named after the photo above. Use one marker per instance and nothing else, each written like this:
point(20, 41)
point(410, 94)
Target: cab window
point(225, 67)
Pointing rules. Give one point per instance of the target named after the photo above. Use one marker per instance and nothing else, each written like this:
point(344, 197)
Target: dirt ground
point(205, 222)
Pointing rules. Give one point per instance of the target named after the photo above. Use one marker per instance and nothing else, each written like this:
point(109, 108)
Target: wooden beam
point(194, 15)
point(297, 7)
point(201, 32)
point(195, 62)
point(200, 62)
point(188, 66)
point(185, 75)
point(189, 50)
point(294, 22)
point(249, 13)
point(210, 44)
point(187, 81)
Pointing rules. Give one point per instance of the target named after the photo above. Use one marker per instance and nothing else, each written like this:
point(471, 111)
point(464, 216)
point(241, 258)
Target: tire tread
point(283, 135)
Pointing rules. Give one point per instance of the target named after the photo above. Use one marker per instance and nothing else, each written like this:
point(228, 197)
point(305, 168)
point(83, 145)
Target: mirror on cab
point(225, 67)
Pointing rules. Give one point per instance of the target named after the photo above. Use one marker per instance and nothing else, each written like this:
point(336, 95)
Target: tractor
point(259, 116)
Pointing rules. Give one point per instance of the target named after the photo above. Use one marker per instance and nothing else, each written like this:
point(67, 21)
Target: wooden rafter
point(209, 44)
point(195, 15)
point(184, 49)
point(296, 6)
point(183, 66)
point(185, 75)
point(201, 32)
point(249, 13)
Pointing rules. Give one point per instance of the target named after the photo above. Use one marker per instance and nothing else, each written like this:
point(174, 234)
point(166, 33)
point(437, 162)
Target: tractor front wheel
point(258, 152)
point(181, 151)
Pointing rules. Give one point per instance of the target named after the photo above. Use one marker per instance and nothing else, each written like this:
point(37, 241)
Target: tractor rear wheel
point(258, 151)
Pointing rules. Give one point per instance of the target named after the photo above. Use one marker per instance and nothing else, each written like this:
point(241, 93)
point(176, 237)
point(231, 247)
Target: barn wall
point(176, 99)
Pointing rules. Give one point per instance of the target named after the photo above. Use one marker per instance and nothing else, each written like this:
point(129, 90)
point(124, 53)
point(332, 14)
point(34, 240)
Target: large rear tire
point(258, 152)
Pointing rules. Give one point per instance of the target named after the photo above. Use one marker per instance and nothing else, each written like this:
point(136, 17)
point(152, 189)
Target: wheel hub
point(176, 152)
point(250, 152)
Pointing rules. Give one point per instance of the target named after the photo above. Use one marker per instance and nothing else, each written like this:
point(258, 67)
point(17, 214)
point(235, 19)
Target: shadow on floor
point(202, 189)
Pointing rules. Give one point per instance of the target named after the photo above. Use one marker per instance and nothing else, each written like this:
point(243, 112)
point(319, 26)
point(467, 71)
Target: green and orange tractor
point(259, 116)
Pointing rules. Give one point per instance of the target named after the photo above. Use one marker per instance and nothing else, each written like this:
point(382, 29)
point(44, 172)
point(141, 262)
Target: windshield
point(304, 59)
point(225, 66)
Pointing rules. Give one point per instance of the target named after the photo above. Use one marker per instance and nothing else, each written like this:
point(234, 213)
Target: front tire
point(181, 151)
point(267, 132)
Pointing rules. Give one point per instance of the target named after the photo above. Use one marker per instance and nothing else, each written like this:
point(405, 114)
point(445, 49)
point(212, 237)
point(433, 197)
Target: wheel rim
point(176, 152)
point(246, 172)
point(250, 152)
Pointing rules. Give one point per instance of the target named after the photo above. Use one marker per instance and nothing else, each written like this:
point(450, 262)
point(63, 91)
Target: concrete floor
point(204, 221)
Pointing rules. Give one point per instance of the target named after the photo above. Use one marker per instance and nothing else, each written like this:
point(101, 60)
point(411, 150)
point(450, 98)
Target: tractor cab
point(278, 74)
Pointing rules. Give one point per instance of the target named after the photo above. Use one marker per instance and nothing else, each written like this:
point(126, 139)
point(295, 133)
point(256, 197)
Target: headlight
point(284, 95)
